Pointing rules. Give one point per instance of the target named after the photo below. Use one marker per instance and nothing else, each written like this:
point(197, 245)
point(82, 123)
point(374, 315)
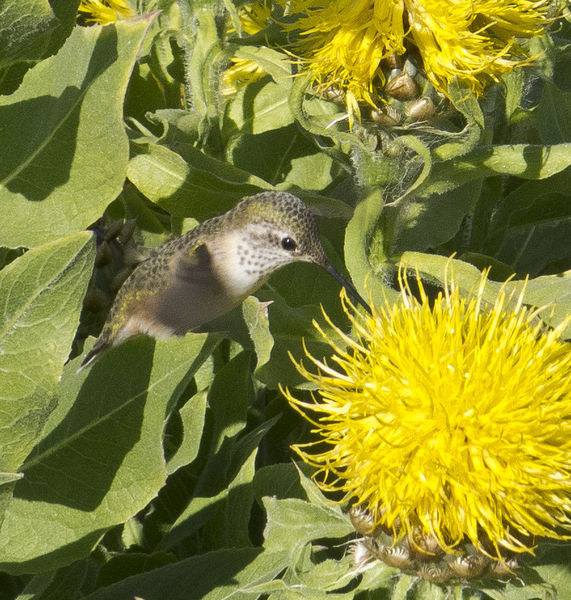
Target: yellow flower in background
point(241, 72)
point(253, 18)
point(343, 43)
point(474, 41)
point(448, 419)
point(105, 11)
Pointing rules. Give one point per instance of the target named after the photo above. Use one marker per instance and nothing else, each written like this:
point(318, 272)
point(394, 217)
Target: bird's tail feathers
point(93, 354)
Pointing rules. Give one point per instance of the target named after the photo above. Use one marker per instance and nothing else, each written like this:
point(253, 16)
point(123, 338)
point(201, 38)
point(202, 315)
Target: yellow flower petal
point(105, 11)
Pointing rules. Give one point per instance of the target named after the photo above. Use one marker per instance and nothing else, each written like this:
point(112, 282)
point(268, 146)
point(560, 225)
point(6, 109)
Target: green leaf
point(41, 295)
point(359, 244)
point(277, 64)
point(200, 187)
point(358, 237)
point(24, 30)
point(229, 529)
point(424, 590)
point(235, 573)
point(425, 223)
point(290, 327)
point(322, 579)
point(319, 118)
point(280, 480)
point(315, 495)
point(259, 107)
point(531, 247)
point(64, 127)
point(100, 460)
point(129, 564)
point(203, 67)
point(283, 157)
point(551, 291)
point(554, 568)
point(227, 416)
point(521, 201)
point(229, 410)
point(192, 417)
point(9, 477)
point(59, 585)
point(291, 523)
point(527, 161)
point(256, 317)
point(466, 103)
point(553, 115)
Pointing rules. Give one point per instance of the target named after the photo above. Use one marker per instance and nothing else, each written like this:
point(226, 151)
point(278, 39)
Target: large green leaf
point(256, 318)
point(100, 460)
point(553, 292)
point(425, 223)
point(41, 295)
point(192, 421)
point(200, 186)
point(59, 585)
point(229, 398)
point(233, 573)
point(283, 157)
point(260, 107)
point(68, 150)
point(524, 160)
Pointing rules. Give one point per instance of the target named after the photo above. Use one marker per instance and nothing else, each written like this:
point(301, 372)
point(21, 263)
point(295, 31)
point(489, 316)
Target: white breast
point(236, 266)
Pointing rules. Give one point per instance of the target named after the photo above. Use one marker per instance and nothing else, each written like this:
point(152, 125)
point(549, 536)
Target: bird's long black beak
point(350, 289)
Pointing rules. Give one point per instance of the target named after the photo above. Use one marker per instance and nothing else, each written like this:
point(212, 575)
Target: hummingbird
point(192, 279)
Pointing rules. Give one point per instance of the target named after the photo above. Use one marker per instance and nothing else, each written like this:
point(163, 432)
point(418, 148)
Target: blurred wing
point(194, 295)
point(195, 267)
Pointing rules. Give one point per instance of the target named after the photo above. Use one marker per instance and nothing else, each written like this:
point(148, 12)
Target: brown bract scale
point(362, 520)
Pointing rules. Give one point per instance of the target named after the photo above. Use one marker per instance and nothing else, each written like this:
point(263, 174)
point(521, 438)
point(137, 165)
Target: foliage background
point(165, 471)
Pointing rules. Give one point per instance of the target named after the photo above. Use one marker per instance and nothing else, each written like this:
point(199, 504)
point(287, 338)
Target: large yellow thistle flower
point(105, 11)
point(343, 42)
point(448, 419)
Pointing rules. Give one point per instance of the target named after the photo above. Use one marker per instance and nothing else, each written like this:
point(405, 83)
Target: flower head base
point(105, 11)
point(448, 420)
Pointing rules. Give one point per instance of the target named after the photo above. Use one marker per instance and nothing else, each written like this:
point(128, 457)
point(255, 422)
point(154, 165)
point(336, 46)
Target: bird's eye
point(289, 244)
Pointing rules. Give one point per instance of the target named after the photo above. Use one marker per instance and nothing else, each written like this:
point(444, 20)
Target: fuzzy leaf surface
point(64, 127)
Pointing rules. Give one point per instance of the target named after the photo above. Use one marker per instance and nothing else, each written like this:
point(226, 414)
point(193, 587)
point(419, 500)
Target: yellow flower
point(344, 42)
point(242, 72)
point(448, 419)
point(473, 41)
point(253, 18)
point(105, 11)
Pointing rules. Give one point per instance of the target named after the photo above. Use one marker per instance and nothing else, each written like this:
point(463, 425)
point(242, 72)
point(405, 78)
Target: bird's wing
point(195, 265)
point(194, 295)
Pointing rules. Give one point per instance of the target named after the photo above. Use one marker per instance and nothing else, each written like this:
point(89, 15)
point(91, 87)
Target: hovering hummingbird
point(203, 274)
